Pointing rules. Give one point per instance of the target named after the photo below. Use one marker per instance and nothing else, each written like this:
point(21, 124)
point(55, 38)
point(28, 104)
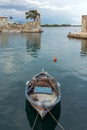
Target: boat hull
point(42, 124)
point(48, 100)
point(41, 109)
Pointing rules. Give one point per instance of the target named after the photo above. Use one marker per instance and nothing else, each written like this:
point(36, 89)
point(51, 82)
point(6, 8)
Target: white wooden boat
point(43, 92)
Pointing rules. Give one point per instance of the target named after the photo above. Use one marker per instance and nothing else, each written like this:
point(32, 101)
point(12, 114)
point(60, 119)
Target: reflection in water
point(14, 46)
point(48, 123)
point(84, 46)
point(4, 39)
point(33, 42)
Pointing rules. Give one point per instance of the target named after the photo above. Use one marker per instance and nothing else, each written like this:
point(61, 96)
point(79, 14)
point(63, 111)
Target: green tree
point(32, 14)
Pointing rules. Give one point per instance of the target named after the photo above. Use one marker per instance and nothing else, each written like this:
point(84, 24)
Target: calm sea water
point(23, 55)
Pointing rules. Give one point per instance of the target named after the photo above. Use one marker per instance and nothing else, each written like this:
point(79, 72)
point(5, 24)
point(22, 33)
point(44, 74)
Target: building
point(3, 21)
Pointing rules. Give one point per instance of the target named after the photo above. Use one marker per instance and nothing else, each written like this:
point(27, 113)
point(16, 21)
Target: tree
point(32, 14)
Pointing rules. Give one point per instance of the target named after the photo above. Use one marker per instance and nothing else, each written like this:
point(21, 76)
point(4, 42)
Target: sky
point(51, 11)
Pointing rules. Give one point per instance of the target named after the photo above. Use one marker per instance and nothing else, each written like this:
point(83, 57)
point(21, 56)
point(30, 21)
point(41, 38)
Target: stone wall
point(84, 23)
point(27, 27)
point(32, 26)
point(3, 21)
point(83, 33)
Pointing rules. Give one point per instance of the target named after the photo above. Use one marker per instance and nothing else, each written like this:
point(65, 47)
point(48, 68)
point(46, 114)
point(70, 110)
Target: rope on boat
point(56, 121)
point(35, 122)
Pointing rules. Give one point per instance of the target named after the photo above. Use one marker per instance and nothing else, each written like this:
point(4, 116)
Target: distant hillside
point(59, 25)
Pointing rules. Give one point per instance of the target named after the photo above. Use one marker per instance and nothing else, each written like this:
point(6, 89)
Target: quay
point(77, 35)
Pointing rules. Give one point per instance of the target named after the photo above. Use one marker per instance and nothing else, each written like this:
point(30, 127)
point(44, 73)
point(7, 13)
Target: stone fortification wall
point(84, 23)
point(27, 27)
point(12, 28)
point(83, 33)
point(32, 26)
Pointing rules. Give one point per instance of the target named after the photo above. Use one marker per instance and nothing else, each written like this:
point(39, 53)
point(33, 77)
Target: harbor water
point(22, 55)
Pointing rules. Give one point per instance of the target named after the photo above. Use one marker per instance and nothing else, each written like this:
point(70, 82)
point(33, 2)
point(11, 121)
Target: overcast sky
point(52, 11)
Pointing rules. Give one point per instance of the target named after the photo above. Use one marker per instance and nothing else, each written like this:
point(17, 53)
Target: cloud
point(48, 5)
point(50, 10)
point(10, 5)
point(55, 8)
point(37, 3)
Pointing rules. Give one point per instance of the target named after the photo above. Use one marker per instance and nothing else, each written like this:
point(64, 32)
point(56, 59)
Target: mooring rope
point(35, 122)
point(52, 117)
point(56, 121)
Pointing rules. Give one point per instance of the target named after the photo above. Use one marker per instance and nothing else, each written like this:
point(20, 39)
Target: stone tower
point(84, 23)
